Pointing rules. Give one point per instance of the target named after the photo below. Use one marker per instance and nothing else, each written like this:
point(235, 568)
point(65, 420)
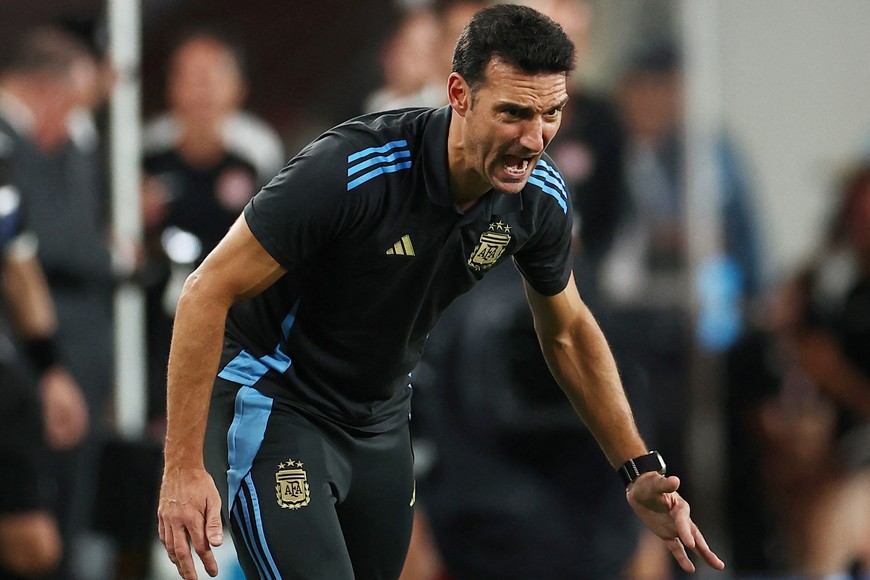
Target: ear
point(458, 93)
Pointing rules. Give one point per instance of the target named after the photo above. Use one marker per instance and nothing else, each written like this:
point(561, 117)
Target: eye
point(554, 113)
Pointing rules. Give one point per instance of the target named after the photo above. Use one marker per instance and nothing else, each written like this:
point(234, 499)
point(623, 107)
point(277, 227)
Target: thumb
point(214, 529)
point(669, 484)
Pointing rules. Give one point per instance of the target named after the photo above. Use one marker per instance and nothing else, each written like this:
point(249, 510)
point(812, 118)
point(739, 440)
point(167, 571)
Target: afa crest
point(491, 246)
point(291, 485)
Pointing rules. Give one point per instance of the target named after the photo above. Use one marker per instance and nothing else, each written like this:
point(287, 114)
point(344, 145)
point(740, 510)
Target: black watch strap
point(634, 468)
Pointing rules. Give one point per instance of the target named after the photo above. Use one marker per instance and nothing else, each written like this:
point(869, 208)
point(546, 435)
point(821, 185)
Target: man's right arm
point(238, 268)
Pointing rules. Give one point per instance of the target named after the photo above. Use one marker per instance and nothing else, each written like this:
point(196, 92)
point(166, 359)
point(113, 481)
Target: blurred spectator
point(452, 15)
point(418, 55)
point(59, 183)
point(589, 150)
point(31, 419)
point(204, 159)
point(408, 64)
point(646, 283)
point(801, 398)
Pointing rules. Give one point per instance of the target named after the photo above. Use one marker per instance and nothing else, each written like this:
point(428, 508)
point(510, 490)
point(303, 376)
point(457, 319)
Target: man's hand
point(189, 513)
point(64, 409)
point(655, 500)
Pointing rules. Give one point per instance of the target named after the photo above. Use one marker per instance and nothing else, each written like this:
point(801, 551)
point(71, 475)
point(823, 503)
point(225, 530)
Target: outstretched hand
point(189, 513)
point(655, 500)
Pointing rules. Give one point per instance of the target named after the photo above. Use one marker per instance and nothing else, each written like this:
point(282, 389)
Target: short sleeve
point(545, 260)
point(306, 205)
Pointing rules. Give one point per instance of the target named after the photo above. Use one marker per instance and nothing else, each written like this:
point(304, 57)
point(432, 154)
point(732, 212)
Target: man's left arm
point(581, 362)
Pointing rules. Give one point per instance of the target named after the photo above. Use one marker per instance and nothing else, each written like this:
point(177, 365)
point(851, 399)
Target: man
point(33, 417)
point(50, 414)
point(41, 85)
point(333, 278)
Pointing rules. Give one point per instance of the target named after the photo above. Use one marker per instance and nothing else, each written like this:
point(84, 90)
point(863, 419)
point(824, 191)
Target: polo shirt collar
point(436, 171)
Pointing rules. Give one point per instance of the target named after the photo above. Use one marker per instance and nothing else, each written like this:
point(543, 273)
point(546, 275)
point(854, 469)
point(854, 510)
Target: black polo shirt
point(375, 250)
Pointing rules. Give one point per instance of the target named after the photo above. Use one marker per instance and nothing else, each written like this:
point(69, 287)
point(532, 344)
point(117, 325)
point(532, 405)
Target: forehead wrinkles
point(541, 91)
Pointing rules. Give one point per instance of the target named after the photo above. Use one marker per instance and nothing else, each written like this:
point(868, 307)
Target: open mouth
point(515, 166)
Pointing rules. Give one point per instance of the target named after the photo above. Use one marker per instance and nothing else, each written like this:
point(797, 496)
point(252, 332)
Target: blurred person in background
point(205, 157)
point(453, 16)
point(44, 82)
point(41, 406)
point(408, 65)
point(814, 425)
point(646, 282)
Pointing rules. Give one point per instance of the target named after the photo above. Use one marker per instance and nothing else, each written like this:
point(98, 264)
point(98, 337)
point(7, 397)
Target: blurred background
point(719, 157)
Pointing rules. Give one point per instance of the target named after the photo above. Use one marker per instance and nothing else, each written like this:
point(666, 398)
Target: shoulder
point(546, 187)
point(380, 144)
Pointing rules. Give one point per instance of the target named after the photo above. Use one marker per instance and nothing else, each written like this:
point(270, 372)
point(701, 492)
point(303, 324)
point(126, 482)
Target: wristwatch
point(634, 468)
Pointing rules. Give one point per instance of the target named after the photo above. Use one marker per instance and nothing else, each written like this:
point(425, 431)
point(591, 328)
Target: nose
point(532, 137)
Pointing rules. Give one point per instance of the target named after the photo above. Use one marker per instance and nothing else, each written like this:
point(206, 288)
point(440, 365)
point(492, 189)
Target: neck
point(466, 184)
point(200, 144)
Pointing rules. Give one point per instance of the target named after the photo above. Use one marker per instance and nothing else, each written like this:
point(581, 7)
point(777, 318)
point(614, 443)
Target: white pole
point(125, 127)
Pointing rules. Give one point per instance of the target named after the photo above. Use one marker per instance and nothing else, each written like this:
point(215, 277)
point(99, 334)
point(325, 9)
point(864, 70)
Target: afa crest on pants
point(291, 485)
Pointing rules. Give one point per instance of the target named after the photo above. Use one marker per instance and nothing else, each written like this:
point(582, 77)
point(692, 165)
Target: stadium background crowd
point(739, 312)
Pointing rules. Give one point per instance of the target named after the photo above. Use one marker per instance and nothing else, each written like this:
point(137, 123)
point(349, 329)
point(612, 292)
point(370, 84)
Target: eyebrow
point(505, 105)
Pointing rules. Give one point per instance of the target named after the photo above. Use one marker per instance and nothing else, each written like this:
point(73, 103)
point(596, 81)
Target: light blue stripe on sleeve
point(379, 171)
point(551, 192)
point(381, 149)
point(380, 159)
point(549, 179)
point(553, 172)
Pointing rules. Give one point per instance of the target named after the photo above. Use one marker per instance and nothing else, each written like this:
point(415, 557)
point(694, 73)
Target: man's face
point(204, 82)
point(512, 118)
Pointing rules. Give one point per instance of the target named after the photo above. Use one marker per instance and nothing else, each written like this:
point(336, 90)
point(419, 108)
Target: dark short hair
point(46, 49)
point(517, 35)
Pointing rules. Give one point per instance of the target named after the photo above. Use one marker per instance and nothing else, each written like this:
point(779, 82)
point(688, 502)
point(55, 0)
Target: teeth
point(518, 169)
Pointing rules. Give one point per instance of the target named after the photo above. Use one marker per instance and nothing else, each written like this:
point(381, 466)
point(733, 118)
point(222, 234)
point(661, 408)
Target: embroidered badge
point(491, 246)
point(291, 485)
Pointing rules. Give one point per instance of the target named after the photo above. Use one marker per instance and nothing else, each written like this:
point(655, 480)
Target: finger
point(161, 532)
point(203, 549)
point(183, 557)
point(685, 526)
point(668, 484)
point(214, 531)
point(679, 552)
point(703, 550)
point(213, 525)
point(169, 544)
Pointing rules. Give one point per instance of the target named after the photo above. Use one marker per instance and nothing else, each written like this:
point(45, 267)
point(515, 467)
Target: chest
point(410, 234)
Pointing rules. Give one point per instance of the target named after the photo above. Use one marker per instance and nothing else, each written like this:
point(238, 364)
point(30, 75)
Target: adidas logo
point(403, 247)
